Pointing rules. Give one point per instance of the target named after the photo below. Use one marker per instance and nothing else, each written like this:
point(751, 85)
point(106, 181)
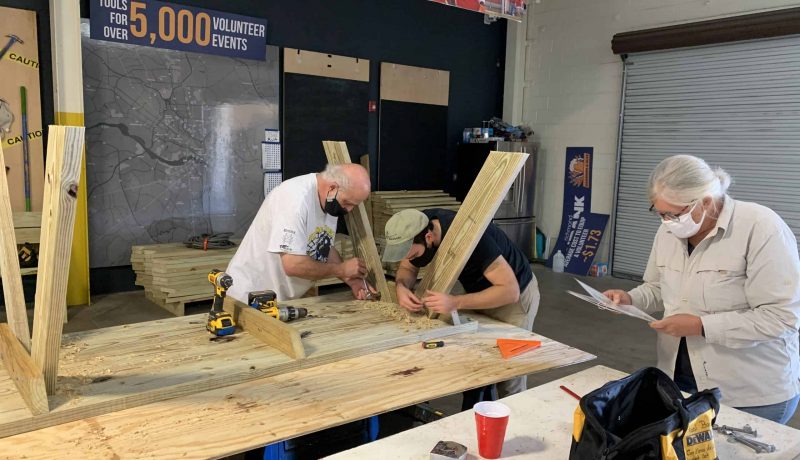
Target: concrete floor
point(620, 342)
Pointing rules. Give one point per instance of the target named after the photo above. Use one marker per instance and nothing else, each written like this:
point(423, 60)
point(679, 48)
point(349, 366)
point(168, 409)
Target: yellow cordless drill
point(266, 301)
point(220, 322)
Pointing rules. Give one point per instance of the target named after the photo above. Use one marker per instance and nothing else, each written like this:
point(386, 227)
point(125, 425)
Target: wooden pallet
point(386, 203)
point(173, 275)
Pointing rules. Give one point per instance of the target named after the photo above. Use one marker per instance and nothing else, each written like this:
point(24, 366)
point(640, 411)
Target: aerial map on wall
point(173, 144)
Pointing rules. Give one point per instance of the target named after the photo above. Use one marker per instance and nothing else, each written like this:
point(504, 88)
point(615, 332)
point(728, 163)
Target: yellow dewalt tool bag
point(645, 416)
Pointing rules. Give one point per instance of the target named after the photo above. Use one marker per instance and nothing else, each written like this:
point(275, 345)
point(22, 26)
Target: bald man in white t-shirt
point(289, 245)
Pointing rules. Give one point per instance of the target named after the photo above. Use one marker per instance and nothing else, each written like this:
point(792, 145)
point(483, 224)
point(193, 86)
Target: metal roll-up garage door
point(735, 105)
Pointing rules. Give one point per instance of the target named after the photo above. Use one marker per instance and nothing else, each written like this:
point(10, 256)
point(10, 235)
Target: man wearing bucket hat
point(497, 277)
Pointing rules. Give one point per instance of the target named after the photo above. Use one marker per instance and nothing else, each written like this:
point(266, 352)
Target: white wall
point(572, 84)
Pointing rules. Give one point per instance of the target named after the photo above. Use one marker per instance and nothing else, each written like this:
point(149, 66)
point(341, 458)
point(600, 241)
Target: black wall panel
point(317, 109)
point(413, 146)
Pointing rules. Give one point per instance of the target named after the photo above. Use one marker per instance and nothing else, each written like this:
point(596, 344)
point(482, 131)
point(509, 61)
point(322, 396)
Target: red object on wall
point(514, 8)
point(373, 106)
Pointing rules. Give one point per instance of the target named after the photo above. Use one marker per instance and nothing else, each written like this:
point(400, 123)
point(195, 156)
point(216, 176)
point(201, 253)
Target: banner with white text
point(581, 230)
point(178, 27)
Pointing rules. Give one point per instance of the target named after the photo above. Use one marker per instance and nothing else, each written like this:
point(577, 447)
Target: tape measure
point(428, 344)
point(28, 257)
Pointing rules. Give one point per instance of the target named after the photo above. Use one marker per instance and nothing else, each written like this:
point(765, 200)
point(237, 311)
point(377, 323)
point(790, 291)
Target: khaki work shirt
point(743, 280)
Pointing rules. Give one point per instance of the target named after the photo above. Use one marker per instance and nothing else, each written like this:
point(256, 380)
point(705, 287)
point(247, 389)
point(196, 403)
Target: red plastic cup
point(491, 420)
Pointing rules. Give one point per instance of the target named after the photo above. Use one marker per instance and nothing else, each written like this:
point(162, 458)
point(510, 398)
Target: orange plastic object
point(513, 347)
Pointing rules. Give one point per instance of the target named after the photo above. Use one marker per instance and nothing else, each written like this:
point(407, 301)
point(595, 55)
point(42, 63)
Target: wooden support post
point(23, 371)
point(475, 214)
point(9, 266)
point(269, 330)
point(67, 64)
point(359, 227)
point(62, 174)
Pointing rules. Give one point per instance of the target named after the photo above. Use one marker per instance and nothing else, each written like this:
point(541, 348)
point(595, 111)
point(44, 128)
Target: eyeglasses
point(668, 216)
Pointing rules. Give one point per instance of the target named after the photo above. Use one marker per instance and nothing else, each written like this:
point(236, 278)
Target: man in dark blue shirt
point(497, 277)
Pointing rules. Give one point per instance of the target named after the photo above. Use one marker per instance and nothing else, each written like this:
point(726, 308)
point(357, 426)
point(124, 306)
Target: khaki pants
point(521, 314)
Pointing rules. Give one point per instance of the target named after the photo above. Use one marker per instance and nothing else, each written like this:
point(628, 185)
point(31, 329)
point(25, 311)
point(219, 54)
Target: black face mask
point(425, 258)
point(333, 207)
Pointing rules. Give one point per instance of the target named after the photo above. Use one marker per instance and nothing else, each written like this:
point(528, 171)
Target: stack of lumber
point(385, 204)
point(173, 275)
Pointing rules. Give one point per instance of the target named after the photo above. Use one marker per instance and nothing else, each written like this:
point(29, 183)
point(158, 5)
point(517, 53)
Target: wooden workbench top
point(237, 418)
point(116, 368)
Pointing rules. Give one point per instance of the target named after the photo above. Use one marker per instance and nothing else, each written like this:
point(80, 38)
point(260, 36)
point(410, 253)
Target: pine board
point(393, 193)
point(359, 227)
point(386, 204)
point(61, 183)
point(115, 368)
point(14, 297)
point(20, 367)
point(478, 209)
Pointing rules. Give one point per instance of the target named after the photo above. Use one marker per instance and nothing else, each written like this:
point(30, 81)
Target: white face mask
point(685, 226)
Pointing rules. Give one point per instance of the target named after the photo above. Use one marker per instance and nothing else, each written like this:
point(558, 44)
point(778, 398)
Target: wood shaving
point(70, 351)
point(396, 312)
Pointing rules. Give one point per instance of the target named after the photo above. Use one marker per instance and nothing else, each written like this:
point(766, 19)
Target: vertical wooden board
point(475, 214)
point(22, 370)
point(266, 328)
point(20, 67)
point(64, 156)
point(359, 227)
point(9, 266)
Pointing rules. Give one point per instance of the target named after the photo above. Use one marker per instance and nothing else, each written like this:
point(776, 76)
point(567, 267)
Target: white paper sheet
point(597, 299)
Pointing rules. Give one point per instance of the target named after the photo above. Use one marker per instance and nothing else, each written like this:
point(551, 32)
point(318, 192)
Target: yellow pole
point(65, 32)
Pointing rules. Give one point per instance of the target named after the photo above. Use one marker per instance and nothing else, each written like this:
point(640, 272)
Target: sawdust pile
point(396, 312)
point(69, 351)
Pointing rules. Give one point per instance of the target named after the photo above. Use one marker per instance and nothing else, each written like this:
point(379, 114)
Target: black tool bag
point(644, 416)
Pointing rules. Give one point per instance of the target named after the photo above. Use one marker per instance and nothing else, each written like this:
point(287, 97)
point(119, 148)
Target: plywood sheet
point(405, 83)
point(115, 368)
point(20, 67)
point(325, 65)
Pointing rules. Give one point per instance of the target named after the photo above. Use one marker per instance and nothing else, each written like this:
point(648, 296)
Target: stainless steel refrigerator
point(515, 214)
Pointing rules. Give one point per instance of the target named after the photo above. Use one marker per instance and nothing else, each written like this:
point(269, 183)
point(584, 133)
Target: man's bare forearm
point(307, 268)
point(406, 274)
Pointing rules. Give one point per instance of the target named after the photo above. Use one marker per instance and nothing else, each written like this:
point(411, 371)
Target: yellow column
point(65, 32)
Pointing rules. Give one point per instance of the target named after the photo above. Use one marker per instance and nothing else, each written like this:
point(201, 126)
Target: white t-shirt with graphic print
point(289, 221)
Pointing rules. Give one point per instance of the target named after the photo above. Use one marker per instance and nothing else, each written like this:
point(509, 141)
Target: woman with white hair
point(726, 274)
